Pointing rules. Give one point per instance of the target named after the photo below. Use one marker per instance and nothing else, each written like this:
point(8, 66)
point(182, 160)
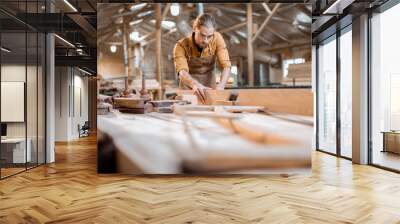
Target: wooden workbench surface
point(158, 143)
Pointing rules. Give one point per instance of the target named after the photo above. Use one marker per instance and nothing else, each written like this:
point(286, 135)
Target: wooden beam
point(233, 27)
point(164, 14)
point(266, 8)
point(166, 9)
point(173, 30)
point(265, 22)
point(265, 40)
point(158, 47)
point(250, 56)
point(125, 40)
point(286, 7)
point(130, 56)
point(105, 37)
point(278, 47)
point(144, 37)
point(276, 33)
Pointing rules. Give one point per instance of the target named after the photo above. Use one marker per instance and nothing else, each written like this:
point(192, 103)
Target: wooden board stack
point(298, 75)
point(131, 105)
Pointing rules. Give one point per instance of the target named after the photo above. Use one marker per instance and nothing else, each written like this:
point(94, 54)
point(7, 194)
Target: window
point(327, 96)
point(385, 89)
point(22, 75)
point(346, 93)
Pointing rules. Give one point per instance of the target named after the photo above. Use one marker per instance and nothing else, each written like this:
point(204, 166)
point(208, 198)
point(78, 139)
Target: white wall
point(80, 103)
point(62, 81)
point(12, 73)
point(70, 83)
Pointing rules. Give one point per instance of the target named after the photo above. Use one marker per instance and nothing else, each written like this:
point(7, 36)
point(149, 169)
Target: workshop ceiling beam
point(165, 12)
point(279, 47)
point(237, 26)
point(276, 33)
point(168, 33)
point(266, 7)
point(265, 40)
point(250, 53)
point(158, 47)
point(264, 24)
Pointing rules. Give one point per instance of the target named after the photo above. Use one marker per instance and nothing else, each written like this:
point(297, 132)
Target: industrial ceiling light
point(113, 48)
point(166, 24)
point(174, 9)
point(303, 18)
point(65, 41)
point(138, 6)
point(233, 39)
point(70, 5)
point(5, 50)
point(143, 14)
point(134, 36)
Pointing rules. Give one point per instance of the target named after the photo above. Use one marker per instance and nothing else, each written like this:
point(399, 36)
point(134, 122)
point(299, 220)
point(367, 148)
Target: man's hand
point(198, 88)
point(200, 92)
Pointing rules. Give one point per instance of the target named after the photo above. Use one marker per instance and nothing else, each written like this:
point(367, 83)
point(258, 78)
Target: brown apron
point(201, 69)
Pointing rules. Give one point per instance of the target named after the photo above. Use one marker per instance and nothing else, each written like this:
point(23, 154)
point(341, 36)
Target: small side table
point(391, 141)
point(14, 150)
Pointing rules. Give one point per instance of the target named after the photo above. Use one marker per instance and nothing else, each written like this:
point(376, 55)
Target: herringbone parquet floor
point(70, 191)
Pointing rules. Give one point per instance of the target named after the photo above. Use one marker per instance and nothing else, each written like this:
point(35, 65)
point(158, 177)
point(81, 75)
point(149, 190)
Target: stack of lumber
point(133, 104)
point(298, 75)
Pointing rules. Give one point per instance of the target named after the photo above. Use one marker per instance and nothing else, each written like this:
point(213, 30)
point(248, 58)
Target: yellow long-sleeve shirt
point(216, 47)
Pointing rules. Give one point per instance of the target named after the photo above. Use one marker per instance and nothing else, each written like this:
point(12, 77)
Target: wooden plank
point(291, 101)
point(129, 102)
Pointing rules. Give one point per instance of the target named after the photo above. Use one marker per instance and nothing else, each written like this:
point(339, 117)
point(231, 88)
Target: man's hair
point(204, 19)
